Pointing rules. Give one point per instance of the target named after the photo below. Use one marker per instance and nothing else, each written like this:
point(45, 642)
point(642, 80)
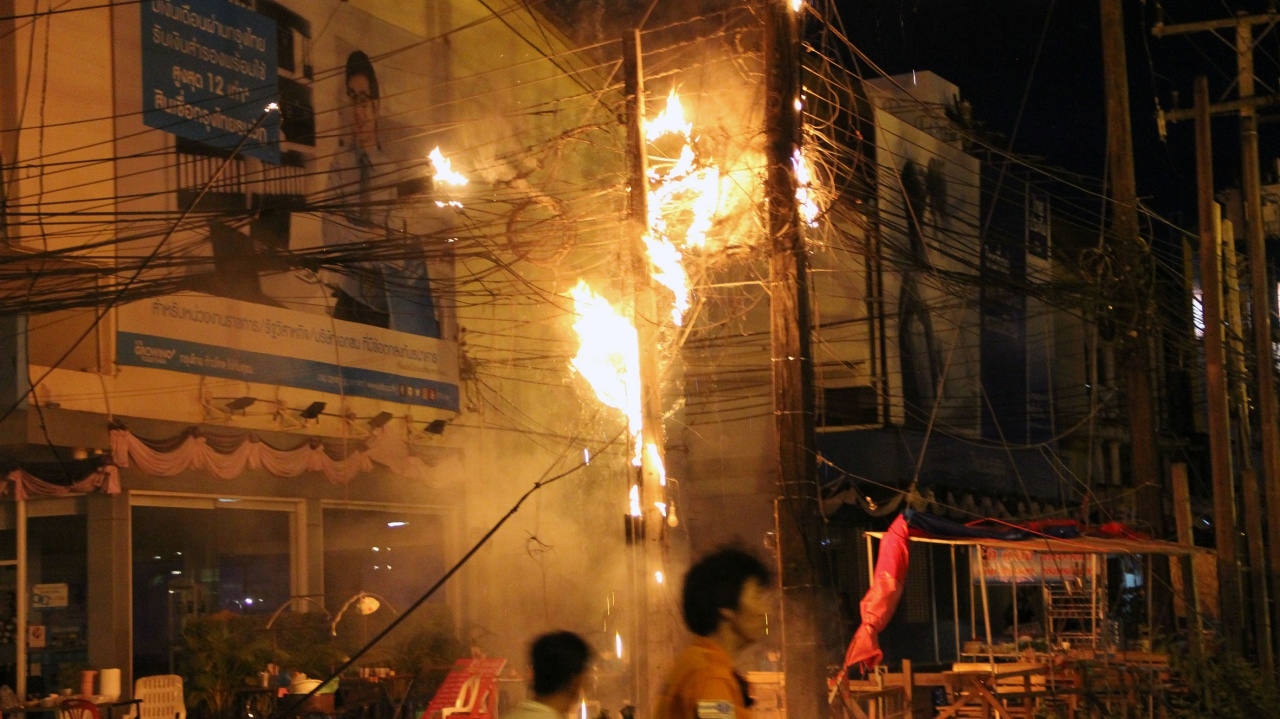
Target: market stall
point(1060, 563)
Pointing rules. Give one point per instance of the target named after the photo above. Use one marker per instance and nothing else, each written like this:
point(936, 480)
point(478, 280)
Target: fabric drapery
point(105, 479)
point(195, 453)
point(881, 599)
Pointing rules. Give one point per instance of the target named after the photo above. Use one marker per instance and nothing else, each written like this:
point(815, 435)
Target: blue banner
point(142, 350)
point(208, 73)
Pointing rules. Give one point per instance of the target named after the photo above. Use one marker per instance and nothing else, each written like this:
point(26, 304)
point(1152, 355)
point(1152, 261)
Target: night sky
point(989, 48)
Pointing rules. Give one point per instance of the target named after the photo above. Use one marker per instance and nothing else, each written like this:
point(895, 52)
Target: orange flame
point(669, 121)
point(444, 170)
point(635, 501)
point(668, 271)
point(806, 198)
point(655, 460)
point(608, 353)
point(683, 200)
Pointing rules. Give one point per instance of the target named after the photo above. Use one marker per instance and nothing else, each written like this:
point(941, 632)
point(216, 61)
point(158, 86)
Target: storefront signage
point(209, 70)
point(48, 596)
point(220, 337)
point(1024, 566)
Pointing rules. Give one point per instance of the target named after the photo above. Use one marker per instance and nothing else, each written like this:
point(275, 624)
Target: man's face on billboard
point(364, 110)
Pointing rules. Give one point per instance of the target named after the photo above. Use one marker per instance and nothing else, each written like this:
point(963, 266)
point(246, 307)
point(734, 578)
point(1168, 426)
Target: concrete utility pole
point(646, 653)
point(1259, 290)
point(1135, 274)
point(798, 517)
point(1224, 495)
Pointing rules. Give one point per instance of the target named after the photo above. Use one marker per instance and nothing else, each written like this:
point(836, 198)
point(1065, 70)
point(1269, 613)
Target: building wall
point(514, 111)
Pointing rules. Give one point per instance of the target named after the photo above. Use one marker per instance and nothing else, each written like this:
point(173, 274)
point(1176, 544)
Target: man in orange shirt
point(724, 606)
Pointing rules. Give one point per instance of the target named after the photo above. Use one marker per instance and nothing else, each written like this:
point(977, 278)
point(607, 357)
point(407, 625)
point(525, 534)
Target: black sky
point(989, 49)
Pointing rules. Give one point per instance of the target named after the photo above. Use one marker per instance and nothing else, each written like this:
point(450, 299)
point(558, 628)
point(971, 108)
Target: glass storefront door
point(194, 557)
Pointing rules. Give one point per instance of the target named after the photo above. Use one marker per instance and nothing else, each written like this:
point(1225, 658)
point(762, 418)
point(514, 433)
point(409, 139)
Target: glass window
point(57, 572)
point(193, 562)
point(394, 554)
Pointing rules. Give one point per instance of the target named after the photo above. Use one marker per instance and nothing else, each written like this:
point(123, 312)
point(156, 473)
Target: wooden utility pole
point(798, 519)
point(1255, 542)
point(1259, 289)
point(646, 653)
point(1187, 564)
point(1260, 299)
point(1135, 274)
point(1224, 495)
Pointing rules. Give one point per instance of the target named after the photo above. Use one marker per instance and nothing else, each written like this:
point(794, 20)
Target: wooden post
point(1134, 259)
point(649, 651)
point(1260, 291)
point(1224, 510)
point(1260, 301)
point(1255, 542)
point(23, 601)
point(955, 599)
point(1190, 592)
point(986, 604)
point(798, 518)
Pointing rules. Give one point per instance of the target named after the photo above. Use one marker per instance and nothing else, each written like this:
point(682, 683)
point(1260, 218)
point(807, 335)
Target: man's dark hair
point(716, 583)
point(359, 63)
point(558, 658)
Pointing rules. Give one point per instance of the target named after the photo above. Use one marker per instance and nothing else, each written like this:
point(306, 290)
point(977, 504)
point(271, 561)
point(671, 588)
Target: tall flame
point(444, 170)
point(670, 120)
point(617, 644)
point(683, 199)
point(668, 271)
point(608, 353)
point(635, 501)
point(655, 460)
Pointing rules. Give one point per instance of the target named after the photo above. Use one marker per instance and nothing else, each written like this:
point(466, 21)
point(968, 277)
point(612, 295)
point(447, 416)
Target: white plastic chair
point(161, 697)
point(468, 698)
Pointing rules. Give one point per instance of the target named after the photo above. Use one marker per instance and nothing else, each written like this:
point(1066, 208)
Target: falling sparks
point(805, 196)
point(444, 170)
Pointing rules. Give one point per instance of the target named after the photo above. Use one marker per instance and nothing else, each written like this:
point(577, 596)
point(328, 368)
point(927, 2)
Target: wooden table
point(988, 691)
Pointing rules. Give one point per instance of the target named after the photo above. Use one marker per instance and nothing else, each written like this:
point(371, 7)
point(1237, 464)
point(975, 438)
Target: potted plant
point(221, 653)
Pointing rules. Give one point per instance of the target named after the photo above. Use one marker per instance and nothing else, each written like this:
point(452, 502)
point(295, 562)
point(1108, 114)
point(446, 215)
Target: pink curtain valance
point(166, 458)
point(105, 479)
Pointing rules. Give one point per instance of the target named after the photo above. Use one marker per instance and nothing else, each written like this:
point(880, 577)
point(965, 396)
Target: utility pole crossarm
point(1188, 28)
point(1227, 107)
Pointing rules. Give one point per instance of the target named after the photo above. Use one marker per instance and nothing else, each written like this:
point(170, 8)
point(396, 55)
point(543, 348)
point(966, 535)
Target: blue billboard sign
point(208, 74)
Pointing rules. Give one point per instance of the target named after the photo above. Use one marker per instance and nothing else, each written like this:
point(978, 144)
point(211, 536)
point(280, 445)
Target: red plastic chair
point(79, 709)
